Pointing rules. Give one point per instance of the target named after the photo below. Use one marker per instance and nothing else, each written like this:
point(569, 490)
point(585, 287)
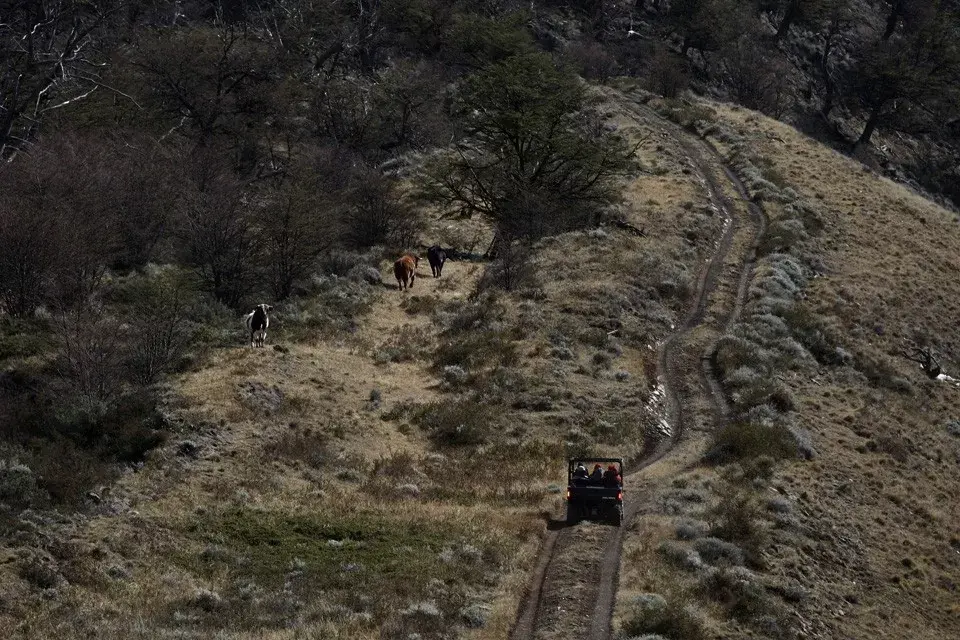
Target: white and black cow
point(257, 322)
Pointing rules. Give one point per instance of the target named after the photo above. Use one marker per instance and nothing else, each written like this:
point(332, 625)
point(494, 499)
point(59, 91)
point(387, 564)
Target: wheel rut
point(574, 585)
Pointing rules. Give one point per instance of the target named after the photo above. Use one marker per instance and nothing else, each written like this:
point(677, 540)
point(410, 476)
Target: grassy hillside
point(856, 541)
point(391, 465)
point(384, 466)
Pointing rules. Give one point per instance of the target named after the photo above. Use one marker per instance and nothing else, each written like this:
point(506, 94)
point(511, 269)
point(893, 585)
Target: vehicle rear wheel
point(618, 516)
point(573, 514)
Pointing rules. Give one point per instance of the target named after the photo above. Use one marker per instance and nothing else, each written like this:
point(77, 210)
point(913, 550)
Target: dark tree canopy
point(531, 159)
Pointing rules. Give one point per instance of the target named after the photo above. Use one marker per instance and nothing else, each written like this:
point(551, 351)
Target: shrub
point(740, 440)
point(310, 447)
point(331, 305)
point(779, 504)
point(648, 606)
point(763, 391)
point(157, 345)
point(592, 60)
point(415, 305)
point(716, 551)
point(206, 600)
point(667, 73)
point(687, 114)
point(804, 442)
point(881, 371)
point(759, 468)
point(341, 263)
point(813, 333)
point(953, 428)
point(398, 466)
point(404, 344)
point(680, 555)
point(602, 359)
point(376, 215)
point(690, 529)
point(736, 518)
point(781, 236)
point(475, 616)
point(738, 591)
point(18, 483)
point(734, 352)
point(653, 614)
point(476, 350)
point(788, 589)
point(513, 268)
point(41, 572)
point(21, 338)
point(454, 375)
point(425, 614)
point(457, 422)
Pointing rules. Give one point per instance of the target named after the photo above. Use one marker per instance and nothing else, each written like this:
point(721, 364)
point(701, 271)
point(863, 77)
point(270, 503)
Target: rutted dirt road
point(573, 590)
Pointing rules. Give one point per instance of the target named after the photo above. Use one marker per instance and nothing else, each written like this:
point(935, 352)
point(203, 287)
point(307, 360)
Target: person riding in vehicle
point(580, 472)
point(611, 477)
point(597, 474)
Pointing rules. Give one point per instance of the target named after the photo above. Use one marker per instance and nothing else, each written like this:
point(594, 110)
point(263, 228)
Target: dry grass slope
point(861, 540)
point(352, 482)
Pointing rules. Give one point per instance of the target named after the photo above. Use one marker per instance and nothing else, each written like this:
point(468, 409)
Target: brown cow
point(405, 269)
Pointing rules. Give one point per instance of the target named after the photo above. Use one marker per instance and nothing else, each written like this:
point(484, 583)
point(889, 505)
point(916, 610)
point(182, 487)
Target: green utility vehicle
point(595, 490)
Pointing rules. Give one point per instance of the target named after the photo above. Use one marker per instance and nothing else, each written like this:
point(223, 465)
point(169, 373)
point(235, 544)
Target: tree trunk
point(893, 18)
point(829, 87)
point(788, 17)
point(828, 98)
point(871, 125)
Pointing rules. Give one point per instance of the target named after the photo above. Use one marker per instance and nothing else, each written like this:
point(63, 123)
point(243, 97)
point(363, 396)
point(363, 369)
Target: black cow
point(437, 257)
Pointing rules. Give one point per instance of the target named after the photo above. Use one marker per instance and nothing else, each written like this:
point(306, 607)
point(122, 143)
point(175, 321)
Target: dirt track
point(573, 589)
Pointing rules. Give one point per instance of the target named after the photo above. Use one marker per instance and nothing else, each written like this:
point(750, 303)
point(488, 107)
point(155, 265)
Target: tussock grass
point(365, 569)
point(456, 422)
point(311, 447)
point(673, 619)
point(738, 518)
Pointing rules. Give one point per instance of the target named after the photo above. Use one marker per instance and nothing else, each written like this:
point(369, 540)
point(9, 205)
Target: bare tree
point(85, 176)
point(28, 254)
point(143, 195)
point(836, 20)
point(708, 25)
point(160, 329)
point(799, 11)
point(377, 214)
point(206, 80)
point(90, 360)
point(216, 229)
point(57, 226)
point(919, 71)
point(300, 229)
point(48, 60)
point(756, 79)
point(910, 13)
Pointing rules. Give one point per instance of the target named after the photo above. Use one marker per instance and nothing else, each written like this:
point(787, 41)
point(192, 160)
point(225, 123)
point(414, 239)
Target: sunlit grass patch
point(270, 568)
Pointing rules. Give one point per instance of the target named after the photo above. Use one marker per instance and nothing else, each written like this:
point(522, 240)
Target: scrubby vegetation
point(168, 164)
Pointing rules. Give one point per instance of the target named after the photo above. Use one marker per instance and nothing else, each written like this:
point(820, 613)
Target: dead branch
point(925, 357)
point(626, 226)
